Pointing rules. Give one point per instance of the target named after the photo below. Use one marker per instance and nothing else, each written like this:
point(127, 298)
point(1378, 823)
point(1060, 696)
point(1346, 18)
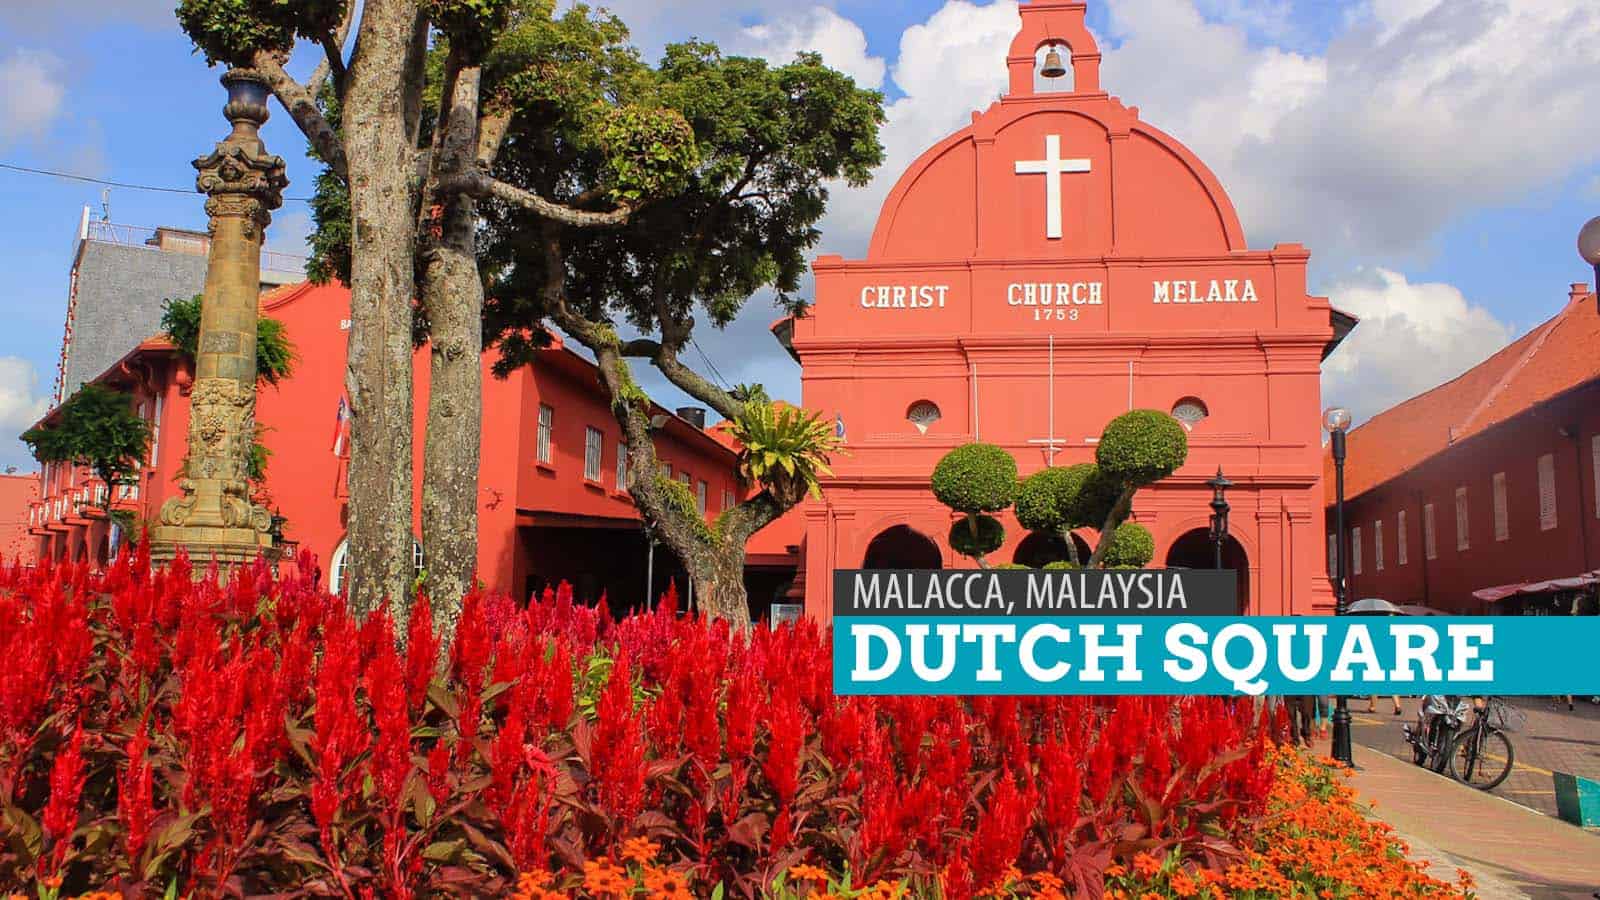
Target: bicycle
point(1481, 755)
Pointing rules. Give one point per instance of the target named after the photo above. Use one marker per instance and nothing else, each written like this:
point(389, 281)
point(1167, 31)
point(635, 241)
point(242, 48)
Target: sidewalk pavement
point(1551, 740)
point(1511, 850)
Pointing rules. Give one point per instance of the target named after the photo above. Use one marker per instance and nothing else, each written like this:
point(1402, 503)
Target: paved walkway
point(1513, 851)
point(1552, 740)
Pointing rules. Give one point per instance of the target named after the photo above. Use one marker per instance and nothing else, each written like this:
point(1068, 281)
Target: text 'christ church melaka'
point(1039, 272)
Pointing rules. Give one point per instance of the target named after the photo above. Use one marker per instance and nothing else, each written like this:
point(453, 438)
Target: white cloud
point(22, 403)
point(1414, 114)
point(31, 94)
point(1412, 337)
point(841, 42)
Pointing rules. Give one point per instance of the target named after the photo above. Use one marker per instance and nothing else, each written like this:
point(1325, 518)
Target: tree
point(972, 480)
point(684, 189)
point(1136, 449)
point(97, 428)
point(1057, 501)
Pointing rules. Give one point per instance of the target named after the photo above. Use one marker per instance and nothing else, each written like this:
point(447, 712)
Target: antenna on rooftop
point(105, 205)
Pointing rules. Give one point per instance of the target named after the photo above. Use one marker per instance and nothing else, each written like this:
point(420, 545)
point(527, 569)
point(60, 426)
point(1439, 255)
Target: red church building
point(1052, 265)
point(551, 506)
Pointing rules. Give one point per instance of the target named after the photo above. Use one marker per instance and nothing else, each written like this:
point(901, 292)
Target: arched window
point(1190, 411)
point(923, 414)
point(341, 558)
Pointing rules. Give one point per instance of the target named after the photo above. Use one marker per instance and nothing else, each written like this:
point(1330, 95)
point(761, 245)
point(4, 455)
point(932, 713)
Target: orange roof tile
point(1553, 358)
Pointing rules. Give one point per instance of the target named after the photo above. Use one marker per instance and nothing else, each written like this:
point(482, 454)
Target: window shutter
point(1400, 539)
point(1462, 540)
point(1377, 545)
point(1547, 492)
point(1430, 546)
point(1502, 524)
point(1355, 550)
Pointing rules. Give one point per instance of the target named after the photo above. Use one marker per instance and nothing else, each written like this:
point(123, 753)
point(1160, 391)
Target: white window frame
point(1355, 550)
point(1400, 539)
point(1548, 504)
point(700, 490)
point(622, 467)
point(1594, 451)
point(1463, 521)
point(544, 442)
point(155, 434)
point(1333, 554)
point(728, 501)
point(341, 556)
point(1502, 516)
point(1377, 545)
point(1430, 542)
point(594, 442)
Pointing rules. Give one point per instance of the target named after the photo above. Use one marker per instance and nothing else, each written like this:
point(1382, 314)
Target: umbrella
point(1372, 606)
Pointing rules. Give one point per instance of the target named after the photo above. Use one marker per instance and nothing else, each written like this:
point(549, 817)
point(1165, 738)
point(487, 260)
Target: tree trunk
point(380, 159)
point(1108, 531)
point(1065, 534)
point(452, 293)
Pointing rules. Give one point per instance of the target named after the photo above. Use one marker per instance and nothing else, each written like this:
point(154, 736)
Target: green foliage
point(731, 158)
point(784, 449)
point(275, 356)
point(648, 152)
point(977, 535)
point(1141, 447)
point(229, 32)
point(1011, 565)
point(976, 478)
point(1061, 564)
point(676, 496)
point(469, 25)
point(1064, 498)
point(1132, 547)
point(96, 427)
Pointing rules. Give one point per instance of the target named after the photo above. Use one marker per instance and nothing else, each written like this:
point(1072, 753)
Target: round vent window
point(1190, 411)
point(922, 414)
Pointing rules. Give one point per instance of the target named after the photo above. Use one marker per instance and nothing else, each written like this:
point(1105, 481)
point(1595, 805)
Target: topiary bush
point(976, 478)
point(1132, 547)
point(1141, 447)
point(977, 536)
point(1061, 564)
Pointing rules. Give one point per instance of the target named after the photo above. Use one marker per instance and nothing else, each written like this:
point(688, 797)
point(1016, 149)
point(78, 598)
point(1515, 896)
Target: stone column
point(212, 517)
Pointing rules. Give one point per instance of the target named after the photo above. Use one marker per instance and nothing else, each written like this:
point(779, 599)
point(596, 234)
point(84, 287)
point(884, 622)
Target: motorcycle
point(1438, 719)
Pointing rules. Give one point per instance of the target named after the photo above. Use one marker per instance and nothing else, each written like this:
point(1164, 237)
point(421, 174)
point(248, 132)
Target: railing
point(146, 236)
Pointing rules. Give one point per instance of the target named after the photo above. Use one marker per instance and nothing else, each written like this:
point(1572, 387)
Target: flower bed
point(157, 734)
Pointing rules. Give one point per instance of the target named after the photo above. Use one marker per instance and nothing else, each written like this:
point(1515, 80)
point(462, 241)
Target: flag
point(838, 427)
point(341, 422)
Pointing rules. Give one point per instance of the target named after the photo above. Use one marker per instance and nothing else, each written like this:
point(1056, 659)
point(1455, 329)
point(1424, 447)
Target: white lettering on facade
point(904, 296)
point(1226, 290)
point(1056, 293)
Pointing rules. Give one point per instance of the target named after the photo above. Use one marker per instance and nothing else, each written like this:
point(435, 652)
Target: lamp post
point(1589, 249)
point(1336, 420)
point(1219, 514)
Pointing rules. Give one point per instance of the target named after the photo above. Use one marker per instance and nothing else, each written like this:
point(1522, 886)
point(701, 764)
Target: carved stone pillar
point(213, 516)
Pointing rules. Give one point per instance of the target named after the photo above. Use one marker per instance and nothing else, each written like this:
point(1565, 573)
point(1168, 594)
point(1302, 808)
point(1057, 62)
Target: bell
point(1053, 67)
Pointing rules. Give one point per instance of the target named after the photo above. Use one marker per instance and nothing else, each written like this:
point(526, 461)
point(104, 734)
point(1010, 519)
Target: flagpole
point(1050, 456)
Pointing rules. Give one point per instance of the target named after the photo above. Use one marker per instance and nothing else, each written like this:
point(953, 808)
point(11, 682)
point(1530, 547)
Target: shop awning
point(1495, 594)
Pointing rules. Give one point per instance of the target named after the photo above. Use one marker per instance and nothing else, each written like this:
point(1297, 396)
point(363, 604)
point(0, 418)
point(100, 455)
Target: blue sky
point(1437, 156)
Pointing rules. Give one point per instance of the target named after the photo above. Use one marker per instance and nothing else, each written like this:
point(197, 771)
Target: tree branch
point(492, 128)
point(333, 55)
point(301, 105)
point(477, 184)
point(1108, 531)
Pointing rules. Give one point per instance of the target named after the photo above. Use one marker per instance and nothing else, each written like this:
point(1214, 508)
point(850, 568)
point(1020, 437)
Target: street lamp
point(1336, 420)
point(1589, 249)
point(1219, 513)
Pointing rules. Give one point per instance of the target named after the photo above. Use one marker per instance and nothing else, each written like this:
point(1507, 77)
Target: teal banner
point(1215, 655)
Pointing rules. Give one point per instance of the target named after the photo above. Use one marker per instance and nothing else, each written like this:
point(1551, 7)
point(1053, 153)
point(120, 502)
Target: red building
point(18, 493)
point(1034, 275)
point(1459, 497)
point(550, 507)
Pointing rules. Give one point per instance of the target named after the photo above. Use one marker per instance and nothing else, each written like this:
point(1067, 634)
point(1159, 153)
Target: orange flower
point(1146, 866)
point(640, 850)
point(1115, 871)
point(1183, 884)
point(668, 885)
point(805, 872)
point(602, 878)
point(1465, 879)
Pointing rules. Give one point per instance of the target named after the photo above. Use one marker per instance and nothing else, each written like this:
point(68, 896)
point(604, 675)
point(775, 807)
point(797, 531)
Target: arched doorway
point(902, 547)
point(1194, 550)
point(1041, 548)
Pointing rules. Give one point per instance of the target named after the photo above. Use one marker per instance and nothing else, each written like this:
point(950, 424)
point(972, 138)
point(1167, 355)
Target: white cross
point(1052, 167)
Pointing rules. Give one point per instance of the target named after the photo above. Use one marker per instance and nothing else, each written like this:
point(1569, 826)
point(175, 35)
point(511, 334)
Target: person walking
point(1302, 716)
point(1372, 704)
